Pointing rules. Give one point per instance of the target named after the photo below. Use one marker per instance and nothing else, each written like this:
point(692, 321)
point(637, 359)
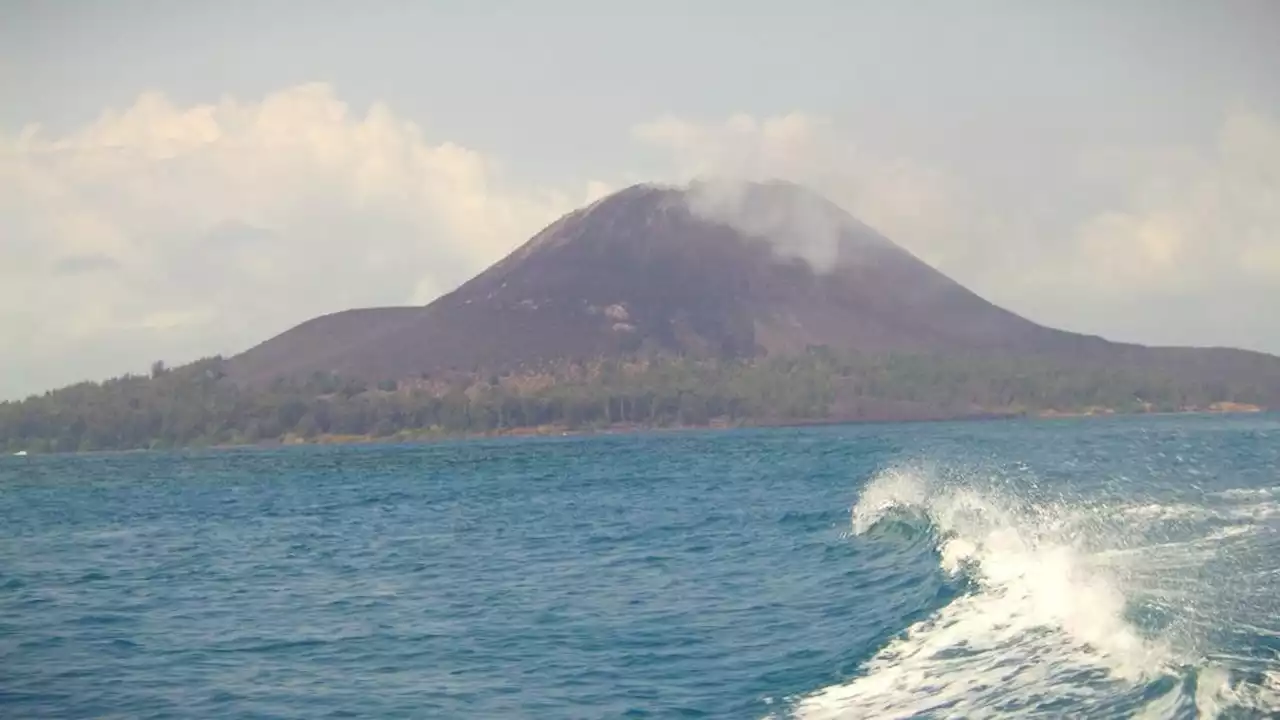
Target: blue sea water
point(1070, 568)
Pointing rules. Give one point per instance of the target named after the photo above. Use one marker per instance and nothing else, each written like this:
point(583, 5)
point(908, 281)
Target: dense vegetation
point(196, 405)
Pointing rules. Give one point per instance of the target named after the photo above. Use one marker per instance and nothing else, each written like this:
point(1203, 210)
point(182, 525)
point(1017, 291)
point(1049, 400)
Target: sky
point(182, 179)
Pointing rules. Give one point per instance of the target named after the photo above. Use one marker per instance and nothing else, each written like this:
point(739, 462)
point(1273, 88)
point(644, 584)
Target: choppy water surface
point(1093, 568)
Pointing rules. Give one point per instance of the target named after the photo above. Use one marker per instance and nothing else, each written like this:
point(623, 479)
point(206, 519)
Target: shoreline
point(552, 431)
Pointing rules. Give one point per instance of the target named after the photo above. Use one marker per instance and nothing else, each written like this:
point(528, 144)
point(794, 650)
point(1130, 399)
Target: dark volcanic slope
point(640, 269)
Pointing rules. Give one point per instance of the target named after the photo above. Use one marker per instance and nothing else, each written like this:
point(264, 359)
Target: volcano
point(704, 270)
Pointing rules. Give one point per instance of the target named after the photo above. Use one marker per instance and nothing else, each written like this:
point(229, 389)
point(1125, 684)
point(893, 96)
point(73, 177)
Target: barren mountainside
point(665, 269)
point(655, 307)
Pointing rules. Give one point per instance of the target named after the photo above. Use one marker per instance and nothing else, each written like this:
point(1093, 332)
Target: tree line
point(198, 405)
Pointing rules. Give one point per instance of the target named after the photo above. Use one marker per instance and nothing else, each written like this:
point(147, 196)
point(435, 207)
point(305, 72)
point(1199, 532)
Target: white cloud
point(1189, 252)
point(1196, 228)
point(165, 231)
point(1192, 217)
point(161, 231)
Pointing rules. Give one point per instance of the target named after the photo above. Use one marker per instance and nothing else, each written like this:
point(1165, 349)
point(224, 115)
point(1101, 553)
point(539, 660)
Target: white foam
point(1047, 618)
point(1217, 692)
point(1158, 511)
point(1248, 493)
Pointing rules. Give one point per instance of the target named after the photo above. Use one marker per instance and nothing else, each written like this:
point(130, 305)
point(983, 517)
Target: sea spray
point(1049, 620)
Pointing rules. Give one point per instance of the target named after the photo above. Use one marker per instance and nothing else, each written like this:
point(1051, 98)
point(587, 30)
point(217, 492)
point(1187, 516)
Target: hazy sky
point(179, 179)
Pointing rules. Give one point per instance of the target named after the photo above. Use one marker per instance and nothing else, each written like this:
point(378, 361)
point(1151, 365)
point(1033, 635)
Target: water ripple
point(676, 575)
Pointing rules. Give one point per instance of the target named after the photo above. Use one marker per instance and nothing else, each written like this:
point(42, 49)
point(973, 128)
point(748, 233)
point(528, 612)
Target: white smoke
point(743, 172)
point(1112, 240)
point(797, 223)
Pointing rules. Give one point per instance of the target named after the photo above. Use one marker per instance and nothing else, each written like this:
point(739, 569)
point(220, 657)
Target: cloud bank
point(169, 232)
point(172, 232)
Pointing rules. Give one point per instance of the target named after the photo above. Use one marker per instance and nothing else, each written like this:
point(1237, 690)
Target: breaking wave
point(1069, 608)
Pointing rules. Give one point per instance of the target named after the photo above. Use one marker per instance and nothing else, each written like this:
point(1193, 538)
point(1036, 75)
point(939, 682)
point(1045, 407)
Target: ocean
point(1082, 568)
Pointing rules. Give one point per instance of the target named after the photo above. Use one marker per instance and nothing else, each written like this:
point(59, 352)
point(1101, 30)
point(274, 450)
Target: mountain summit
point(726, 304)
point(710, 269)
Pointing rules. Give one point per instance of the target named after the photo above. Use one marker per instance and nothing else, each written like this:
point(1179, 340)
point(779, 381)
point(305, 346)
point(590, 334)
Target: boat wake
point(1070, 609)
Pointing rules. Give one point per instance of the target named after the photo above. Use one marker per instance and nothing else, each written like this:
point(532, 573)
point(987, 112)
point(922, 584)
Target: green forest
point(196, 405)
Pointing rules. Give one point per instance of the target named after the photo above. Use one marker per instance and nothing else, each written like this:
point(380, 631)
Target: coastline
point(1218, 409)
point(428, 436)
point(551, 431)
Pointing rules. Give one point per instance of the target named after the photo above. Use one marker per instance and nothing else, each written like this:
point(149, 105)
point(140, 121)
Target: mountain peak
point(794, 221)
point(715, 267)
